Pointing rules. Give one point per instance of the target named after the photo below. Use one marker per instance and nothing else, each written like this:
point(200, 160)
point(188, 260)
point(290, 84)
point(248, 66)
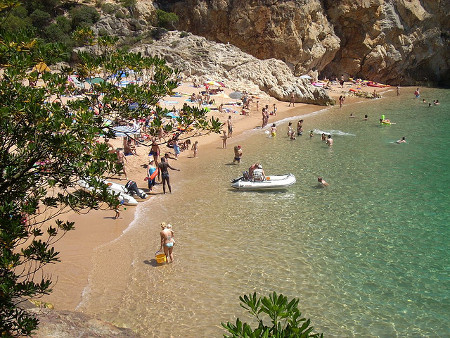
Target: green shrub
point(40, 18)
point(109, 8)
point(63, 23)
point(275, 315)
point(103, 32)
point(120, 15)
point(14, 23)
point(54, 33)
point(166, 20)
point(83, 16)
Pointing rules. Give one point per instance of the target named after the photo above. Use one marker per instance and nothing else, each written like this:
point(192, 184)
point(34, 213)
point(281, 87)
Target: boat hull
point(270, 183)
point(122, 196)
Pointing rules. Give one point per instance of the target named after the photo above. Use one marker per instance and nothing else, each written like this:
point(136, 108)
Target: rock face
point(197, 57)
point(69, 324)
point(395, 41)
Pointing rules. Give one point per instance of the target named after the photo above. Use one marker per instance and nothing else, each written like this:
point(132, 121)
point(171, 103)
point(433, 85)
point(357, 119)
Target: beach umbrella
point(215, 83)
point(236, 95)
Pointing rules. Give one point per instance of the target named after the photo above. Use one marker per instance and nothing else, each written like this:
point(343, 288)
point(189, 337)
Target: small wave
point(332, 132)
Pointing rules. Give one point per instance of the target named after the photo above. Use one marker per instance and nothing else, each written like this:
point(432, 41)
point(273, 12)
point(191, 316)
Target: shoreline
point(97, 228)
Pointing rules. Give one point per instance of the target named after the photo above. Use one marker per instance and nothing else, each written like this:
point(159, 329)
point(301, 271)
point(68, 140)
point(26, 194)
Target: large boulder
point(197, 57)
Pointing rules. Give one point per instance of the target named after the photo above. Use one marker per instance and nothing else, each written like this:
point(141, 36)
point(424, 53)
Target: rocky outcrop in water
point(197, 57)
point(394, 41)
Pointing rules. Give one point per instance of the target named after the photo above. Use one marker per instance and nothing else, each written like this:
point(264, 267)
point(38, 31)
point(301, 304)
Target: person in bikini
point(167, 241)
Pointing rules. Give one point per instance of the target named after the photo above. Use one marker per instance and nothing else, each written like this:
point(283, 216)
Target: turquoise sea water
point(367, 256)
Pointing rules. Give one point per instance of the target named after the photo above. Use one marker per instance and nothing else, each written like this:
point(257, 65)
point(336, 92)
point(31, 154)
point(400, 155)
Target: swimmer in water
point(322, 182)
point(402, 140)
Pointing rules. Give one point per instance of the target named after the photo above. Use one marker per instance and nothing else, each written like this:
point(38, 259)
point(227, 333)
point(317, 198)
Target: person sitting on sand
point(322, 182)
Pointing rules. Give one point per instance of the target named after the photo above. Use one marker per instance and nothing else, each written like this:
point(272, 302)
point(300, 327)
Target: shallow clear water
point(367, 256)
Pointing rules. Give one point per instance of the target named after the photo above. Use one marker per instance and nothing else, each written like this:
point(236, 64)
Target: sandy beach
point(96, 228)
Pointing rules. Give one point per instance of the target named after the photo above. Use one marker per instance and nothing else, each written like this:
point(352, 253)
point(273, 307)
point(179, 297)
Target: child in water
point(273, 130)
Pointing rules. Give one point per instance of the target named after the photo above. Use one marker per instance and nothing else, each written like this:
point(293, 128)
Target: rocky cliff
point(395, 41)
point(197, 57)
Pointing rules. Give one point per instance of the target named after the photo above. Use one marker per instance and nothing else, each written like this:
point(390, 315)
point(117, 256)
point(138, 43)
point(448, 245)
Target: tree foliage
point(276, 317)
point(166, 19)
point(48, 143)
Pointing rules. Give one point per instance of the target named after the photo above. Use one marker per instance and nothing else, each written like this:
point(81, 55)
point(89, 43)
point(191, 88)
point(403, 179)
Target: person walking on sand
point(163, 168)
point(292, 99)
point(195, 148)
point(224, 140)
point(237, 154)
point(230, 126)
point(121, 159)
point(167, 241)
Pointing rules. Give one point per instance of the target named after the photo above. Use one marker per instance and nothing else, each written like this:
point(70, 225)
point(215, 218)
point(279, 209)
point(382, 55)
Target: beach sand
point(98, 227)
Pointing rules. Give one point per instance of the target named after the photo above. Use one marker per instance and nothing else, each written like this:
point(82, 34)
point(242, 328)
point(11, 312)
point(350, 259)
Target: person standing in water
point(300, 128)
point(273, 130)
point(167, 241)
point(237, 154)
point(163, 168)
point(329, 141)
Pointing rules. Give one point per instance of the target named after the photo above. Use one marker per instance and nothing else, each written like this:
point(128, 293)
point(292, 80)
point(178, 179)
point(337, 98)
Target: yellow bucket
point(160, 257)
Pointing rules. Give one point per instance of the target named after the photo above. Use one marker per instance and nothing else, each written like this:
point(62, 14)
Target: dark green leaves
point(284, 318)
